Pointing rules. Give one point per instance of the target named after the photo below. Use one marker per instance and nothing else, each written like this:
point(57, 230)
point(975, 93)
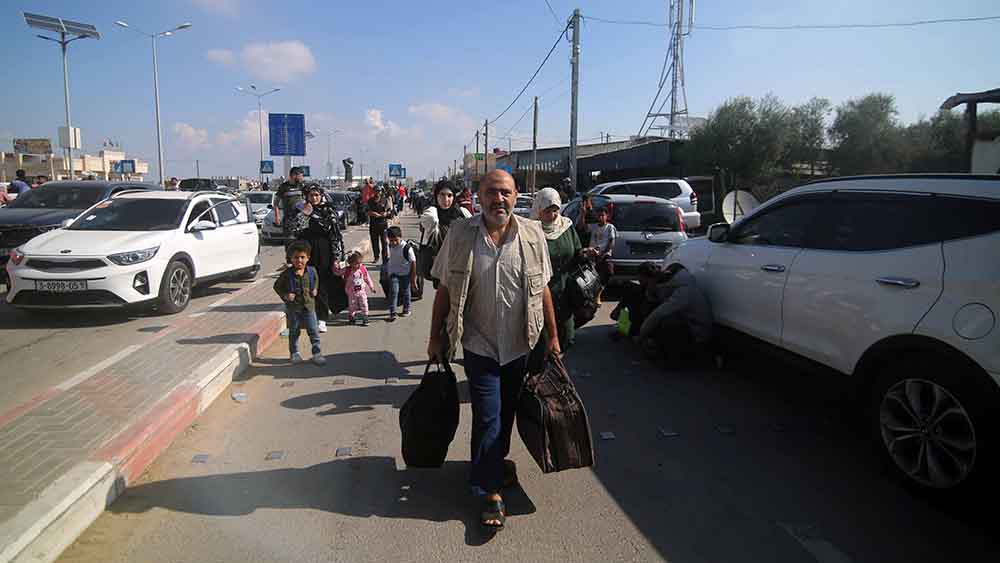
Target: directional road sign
point(395, 170)
point(287, 134)
point(305, 171)
point(267, 167)
point(124, 167)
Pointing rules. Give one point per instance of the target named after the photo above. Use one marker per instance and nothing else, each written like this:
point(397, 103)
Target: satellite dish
point(738, 203)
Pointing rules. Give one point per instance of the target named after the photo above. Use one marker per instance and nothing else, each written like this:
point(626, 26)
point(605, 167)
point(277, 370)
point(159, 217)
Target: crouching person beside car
point(680, 327)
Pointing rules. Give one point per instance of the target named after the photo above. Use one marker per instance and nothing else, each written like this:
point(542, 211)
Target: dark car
point(346, 206)
point(46, 207)
point(198, 185)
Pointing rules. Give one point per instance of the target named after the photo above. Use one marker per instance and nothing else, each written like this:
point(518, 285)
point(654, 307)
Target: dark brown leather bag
point(552, 420)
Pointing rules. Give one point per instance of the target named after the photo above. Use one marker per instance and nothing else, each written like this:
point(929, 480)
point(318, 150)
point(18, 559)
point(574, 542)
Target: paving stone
point(277, 455)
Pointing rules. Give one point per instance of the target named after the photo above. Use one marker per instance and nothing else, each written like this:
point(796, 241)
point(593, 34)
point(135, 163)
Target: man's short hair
point(298, 246)
point(394, 232)
point(173, 178)
point(20, 174)
point(296, 170)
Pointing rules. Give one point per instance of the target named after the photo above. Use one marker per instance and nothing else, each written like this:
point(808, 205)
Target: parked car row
point(893, 281)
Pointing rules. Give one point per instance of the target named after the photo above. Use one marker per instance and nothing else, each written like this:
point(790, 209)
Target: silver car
point(676, 190)
point(648, 229)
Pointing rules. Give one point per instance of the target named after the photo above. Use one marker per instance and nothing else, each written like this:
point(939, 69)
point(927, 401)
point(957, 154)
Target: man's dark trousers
point(494, 392)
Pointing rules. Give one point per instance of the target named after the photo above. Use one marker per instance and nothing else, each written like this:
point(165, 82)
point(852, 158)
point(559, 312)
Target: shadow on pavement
point(247, 308)
point(758, 462)
point(359, 487)
point(369, 365)
point(344, 401)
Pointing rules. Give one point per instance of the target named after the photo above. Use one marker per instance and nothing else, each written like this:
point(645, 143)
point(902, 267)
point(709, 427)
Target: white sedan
point(136, 248)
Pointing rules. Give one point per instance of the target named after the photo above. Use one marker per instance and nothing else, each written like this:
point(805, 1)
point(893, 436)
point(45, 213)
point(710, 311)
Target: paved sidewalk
point(70, 451)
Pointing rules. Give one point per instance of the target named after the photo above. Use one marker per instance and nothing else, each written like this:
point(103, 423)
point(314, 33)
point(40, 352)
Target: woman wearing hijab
point(318, 224)
point(436, 219)
point(564, 253)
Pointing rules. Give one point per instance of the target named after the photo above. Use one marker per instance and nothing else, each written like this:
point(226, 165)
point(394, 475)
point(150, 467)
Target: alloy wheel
point(928, 433)
point(180, 287)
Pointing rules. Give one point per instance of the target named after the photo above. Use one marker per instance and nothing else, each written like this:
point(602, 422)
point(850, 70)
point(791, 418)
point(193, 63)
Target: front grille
point(648, 249)
point(92, 297)
point(65, 265)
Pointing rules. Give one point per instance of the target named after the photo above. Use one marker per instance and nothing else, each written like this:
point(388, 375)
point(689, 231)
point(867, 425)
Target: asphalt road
point(41, 350)
point(753, 463)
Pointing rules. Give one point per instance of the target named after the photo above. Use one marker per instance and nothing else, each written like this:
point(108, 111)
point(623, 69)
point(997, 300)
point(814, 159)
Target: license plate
point(61, 286)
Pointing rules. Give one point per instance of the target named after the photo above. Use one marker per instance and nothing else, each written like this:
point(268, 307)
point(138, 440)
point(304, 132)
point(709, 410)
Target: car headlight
point(260, 213)
point(16, 256)
point(133, 257)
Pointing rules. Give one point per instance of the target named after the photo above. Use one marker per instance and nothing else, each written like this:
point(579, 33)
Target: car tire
point(175, 288)
point(933, 425)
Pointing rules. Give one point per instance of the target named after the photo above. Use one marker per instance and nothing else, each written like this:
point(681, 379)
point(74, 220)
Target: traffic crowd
point(509, 291)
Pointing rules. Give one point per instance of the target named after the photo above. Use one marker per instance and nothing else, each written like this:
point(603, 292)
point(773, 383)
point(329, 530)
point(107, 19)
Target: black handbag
point(428, 420)
point(425, 258)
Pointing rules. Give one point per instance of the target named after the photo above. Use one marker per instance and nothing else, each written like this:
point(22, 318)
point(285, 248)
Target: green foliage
point(756, 139)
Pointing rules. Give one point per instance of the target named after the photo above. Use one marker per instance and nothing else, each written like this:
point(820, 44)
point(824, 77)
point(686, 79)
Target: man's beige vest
point(462, 237)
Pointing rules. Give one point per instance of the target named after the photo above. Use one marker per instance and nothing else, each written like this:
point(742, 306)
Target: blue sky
point(410, 81)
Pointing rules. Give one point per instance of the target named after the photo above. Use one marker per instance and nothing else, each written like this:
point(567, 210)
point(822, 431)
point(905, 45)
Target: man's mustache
point(496, 206)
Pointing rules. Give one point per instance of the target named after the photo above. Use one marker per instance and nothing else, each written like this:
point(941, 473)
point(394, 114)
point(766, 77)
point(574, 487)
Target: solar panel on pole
point(60, 25)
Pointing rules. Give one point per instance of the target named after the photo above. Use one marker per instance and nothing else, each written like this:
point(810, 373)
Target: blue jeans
point(397, 283)
point(494, 391)
point(296, 321)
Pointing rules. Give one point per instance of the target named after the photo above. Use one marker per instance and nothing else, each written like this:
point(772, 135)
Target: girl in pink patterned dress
point(357, 282)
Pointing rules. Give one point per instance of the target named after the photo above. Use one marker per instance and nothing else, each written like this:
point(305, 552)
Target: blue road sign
point(404, 174)
point(305, 170)
point(395, 170)
point(123, 167)
point(267, 167)
point(287, 134)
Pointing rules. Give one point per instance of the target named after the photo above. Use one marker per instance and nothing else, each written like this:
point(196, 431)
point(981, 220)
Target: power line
point(539, 69)
point(553, 12)
point(804, 26)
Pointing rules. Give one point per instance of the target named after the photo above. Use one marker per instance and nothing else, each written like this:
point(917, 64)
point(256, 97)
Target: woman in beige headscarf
point(564, 251)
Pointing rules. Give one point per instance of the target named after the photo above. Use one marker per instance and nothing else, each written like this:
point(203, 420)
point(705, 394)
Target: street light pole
point(156, 85)
point(156, 98)
point(260, 116)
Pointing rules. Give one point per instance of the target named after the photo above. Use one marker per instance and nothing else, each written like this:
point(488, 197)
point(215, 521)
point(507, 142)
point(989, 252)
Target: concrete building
point(100, 166)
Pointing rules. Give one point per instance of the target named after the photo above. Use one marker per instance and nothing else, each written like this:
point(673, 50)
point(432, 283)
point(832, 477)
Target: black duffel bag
point(552, 420)
point(426, 251)
point(429, 418)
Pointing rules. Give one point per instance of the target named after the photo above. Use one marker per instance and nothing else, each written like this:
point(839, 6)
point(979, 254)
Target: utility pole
point(575, 62)
point(197, 168)
point(486, 147)
point(534, 151)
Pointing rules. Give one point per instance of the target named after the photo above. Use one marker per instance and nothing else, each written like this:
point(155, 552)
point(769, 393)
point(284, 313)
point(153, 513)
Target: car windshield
point(196, 184)
point(262, 198)
point(524, 202)
point(126, 214)
point(340, 199)
point(645, 217)
point(60, 197)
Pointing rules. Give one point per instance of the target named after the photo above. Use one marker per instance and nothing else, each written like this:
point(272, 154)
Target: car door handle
point(905, 283)
point(773, 268)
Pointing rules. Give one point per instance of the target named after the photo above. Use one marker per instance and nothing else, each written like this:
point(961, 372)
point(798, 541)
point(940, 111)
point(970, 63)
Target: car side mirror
point(719, 232)
point(202, 225)
point(65, 223)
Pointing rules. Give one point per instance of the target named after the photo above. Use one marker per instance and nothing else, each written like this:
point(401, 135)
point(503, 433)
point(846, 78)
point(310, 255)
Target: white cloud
point(227, 7)
point(382, 127)
point(278, 61)
point(464, 92)
point(245, 134)
point(374, 118)
point(191, 137)
point(221, 56)
point(443, 115)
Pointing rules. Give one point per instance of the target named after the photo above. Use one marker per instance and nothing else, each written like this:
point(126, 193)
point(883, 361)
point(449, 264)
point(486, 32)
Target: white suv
point(138, 247)
point(892, 280)
point(676, 190)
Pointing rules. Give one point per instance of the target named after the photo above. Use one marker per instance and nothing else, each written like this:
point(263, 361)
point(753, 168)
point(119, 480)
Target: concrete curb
point(68, 506)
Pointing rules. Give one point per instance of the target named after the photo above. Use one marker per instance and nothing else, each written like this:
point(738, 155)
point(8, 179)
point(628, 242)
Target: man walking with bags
point(494, 301)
